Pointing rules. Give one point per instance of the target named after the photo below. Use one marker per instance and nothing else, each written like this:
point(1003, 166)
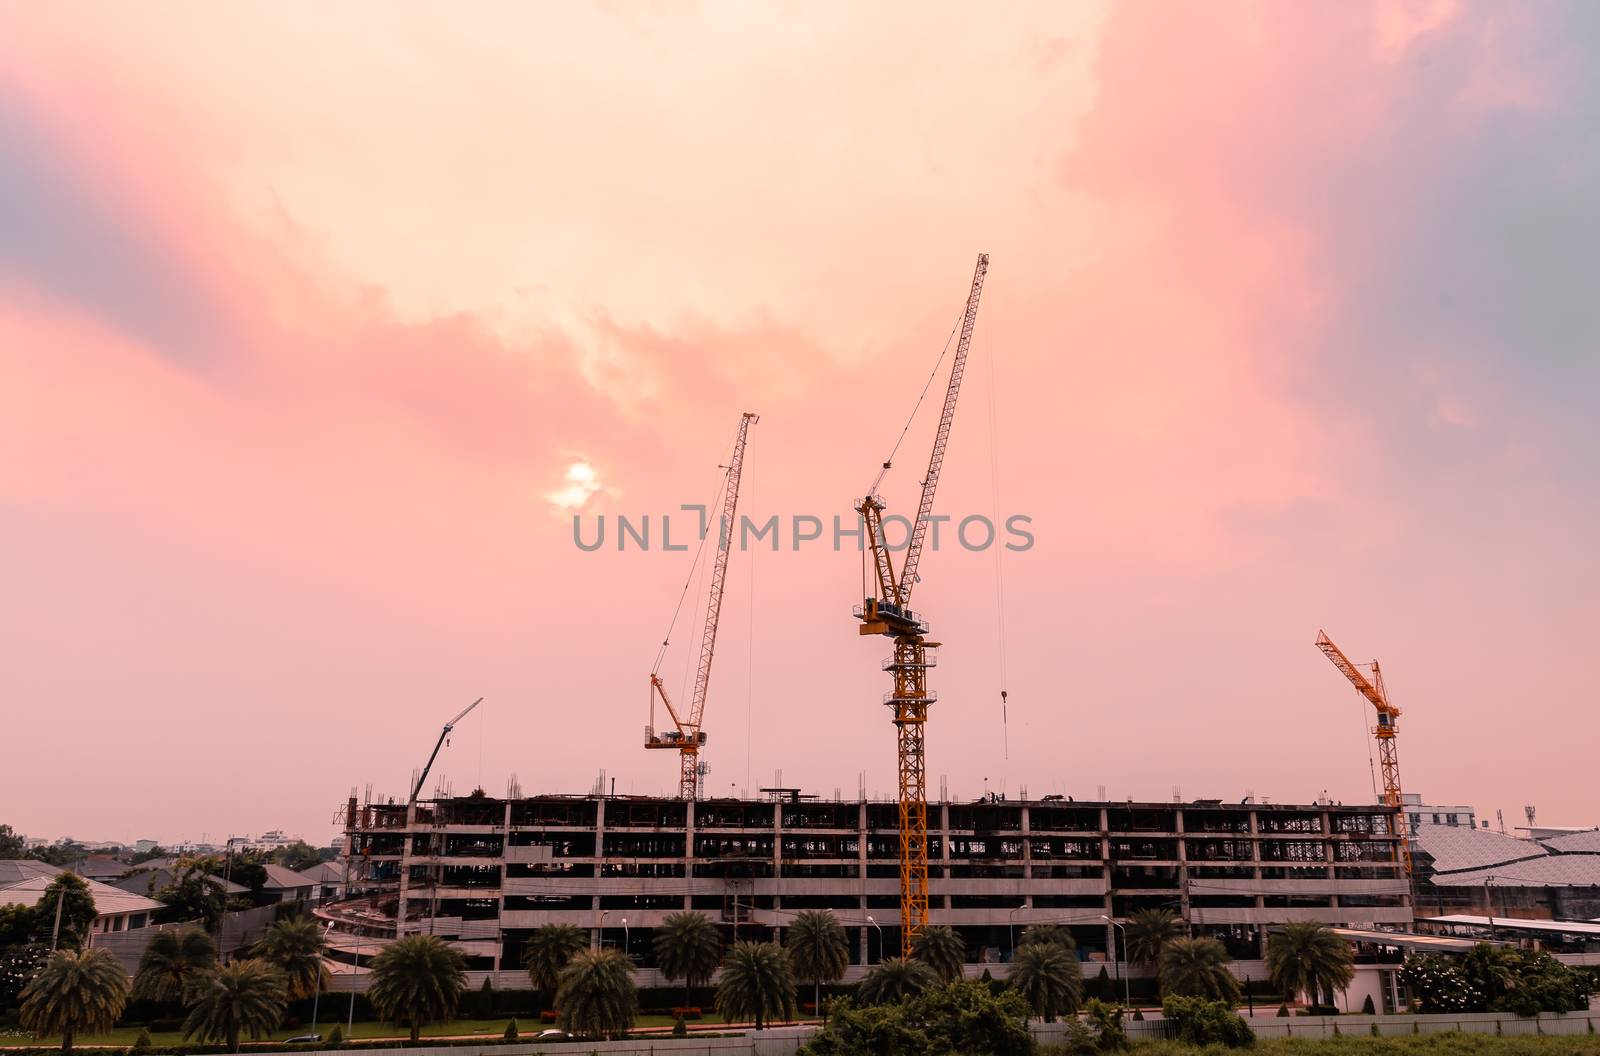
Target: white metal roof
point(1564, 927)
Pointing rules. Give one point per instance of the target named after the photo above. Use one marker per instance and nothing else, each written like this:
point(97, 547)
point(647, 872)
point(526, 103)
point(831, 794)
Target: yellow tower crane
point(1384, 732)
point(888, 612)
point(690, 734)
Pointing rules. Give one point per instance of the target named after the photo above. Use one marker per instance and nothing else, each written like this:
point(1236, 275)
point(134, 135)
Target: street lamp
point(880, 937)
point(317, 1000)
point(1125, 999)
point(1011, 926)
point(599, 933)
point(626, 943)
point(1488, 905)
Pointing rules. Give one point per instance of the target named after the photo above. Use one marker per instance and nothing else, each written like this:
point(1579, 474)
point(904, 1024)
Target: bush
point(336, 1038)
point(511, 1033)
point(1076, 1040)
point(1283, 1010)
point(1368, 1008)
point(142, 1042)
point(957, 1017)
point(1107, 1023)
point(547, 1016)
point(680, 1029)
point(1203, 1022)
point(686, 1012)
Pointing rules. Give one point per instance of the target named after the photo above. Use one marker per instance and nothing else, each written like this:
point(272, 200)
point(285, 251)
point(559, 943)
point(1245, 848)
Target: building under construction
point(484, 872)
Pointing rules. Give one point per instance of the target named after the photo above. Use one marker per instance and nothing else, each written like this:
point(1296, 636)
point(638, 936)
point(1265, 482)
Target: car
point(552, 1035)
point(304, 1039)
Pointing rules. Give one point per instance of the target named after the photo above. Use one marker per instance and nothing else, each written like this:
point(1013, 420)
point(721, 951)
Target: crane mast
point(888, 613)
point(689, 735)
point(1384, 733)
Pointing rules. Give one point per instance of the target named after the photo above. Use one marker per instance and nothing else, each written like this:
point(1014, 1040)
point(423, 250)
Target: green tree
point(193, 893)
point(1049, 978)
point(1198, 968)
point(819, 950)
point(232, 1000)
point(11, 845)
point(548, 951)
point(75, 993)
point(172, 962)
point(757, 984)
point(596, 997)
point(244, 869)
point(1055, 934)
point(1200, 1021)
point(1524, 982)
point(297, 855)
point(296, 948)
point(416, 981)
point(19, 963)
point(687, 947)
point(1106, 1019)
point(941, 949)
point(1307, 957)
point(895, 980)
point(77, 912)
point(1148, 932)
point(958, 1017)
point(140, 857)
point(19, 925)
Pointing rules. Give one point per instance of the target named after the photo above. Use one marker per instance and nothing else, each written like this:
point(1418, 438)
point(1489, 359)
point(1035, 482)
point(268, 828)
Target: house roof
point(108, 900)
point(100, 867)
point(280, 878)
point(1587, 841)
point(324, 873)
point(1455, 848)
point(1472, 857)
point(145, 880)
point(13, 870)
point(1552, 870)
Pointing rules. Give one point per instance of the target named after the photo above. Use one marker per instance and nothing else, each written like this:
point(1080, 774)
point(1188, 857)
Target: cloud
point(579, 483)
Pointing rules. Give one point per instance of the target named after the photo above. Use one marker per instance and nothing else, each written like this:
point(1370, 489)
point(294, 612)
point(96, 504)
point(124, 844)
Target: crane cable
point(999, 572)
point(694, 567)
point(932, 374)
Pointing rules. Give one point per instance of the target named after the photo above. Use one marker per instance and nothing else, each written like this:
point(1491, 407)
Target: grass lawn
point(488, 1028)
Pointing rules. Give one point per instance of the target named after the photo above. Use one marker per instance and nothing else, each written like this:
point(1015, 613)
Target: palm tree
point(416, 980)
point(757, 984)
point(547, 952)
point(1148, 932)
point(1049, 978)
point(687, 948)
point(1306, 957)
point(75, 993)
point(172, 962)
point(596, 996)
point(1035, 934)
point(818, 950)
point(1198, 968)
point(295, 947)
point(894, 980)
point(245, 997)
point(941, 949)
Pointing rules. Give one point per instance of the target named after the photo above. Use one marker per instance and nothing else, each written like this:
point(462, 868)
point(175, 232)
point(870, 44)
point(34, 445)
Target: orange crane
point(888, 612)
point(1384, 732)
point(690, 734)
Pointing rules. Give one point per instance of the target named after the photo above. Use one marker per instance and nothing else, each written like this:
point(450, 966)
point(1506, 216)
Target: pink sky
point(305, 314)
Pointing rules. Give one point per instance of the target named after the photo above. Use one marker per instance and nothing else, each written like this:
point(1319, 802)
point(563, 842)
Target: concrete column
point(777, 863)
point(499, 915)
point(1255, 871)
point(688, 854)
point(599, 864)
